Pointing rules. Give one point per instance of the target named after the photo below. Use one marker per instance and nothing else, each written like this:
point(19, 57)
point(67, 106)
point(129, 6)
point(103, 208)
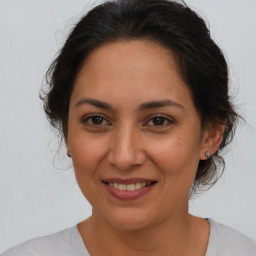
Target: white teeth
point(122, 187)
point(129, 187)
point(138, 186)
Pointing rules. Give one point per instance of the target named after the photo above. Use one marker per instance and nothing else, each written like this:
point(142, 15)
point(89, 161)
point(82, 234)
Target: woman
point(140, 94)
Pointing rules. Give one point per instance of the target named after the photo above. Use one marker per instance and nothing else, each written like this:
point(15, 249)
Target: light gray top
point(226, 241)
point(223, 241)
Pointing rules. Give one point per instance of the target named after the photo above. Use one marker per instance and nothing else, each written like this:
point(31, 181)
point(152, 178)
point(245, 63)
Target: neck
point(173, 236)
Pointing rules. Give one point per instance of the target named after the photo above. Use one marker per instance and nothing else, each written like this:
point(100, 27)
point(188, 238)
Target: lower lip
point(128, 195)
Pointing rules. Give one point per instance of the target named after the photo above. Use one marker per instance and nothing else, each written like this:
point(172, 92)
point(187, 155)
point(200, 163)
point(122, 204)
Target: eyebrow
point(159, 104)
point(143, 106)
point(94, 102)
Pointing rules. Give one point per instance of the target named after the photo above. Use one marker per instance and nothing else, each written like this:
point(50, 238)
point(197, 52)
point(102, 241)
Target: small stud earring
point(208, 154)
point(69, 153)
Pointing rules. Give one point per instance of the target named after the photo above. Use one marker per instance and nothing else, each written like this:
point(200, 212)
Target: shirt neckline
point(79, 247)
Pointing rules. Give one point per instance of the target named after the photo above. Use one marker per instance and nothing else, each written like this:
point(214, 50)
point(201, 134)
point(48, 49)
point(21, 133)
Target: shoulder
point(228, 241)
point(63, 243)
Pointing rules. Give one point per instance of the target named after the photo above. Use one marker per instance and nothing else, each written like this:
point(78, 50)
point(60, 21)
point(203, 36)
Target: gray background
point(38, 192)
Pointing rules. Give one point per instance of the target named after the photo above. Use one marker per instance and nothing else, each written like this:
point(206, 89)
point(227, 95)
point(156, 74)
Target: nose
point(126, 150)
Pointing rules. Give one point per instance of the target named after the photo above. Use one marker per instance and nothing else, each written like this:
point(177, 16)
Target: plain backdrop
point(38, 192)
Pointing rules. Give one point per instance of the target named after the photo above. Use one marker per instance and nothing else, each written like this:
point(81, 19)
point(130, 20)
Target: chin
point(127, 219)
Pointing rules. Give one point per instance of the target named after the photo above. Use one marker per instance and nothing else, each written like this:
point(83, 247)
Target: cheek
point(178, 155)
point(87, 154)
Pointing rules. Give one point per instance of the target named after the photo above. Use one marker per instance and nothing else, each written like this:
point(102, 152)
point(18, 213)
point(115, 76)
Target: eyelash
point(87, 118)
point(165, 119)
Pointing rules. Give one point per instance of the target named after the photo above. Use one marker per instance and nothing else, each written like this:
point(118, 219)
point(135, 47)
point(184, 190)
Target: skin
point(126, 141)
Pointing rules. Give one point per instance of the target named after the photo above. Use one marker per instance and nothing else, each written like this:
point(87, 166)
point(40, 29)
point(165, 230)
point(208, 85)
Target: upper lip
point(128, 181)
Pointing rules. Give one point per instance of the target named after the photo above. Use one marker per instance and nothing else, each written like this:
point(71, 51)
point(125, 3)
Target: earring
point(69, 153)
point(208, 154)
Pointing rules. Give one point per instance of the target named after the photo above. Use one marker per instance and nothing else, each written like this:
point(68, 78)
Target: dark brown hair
point(171, 24)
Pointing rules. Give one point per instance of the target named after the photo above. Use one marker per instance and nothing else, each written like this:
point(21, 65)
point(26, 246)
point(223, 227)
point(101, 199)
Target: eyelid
point(167, 118)
point(85, 119)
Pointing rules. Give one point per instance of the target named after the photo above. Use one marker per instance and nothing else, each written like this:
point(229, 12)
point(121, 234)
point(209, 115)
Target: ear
point(211, 139)
point(67, 147)
point(66, 143)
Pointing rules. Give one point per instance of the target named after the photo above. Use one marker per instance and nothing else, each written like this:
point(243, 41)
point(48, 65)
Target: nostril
point(126, 159)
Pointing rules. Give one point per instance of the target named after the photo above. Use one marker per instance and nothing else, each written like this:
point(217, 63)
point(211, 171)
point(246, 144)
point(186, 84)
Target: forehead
point(139, 69)
point(129, 55)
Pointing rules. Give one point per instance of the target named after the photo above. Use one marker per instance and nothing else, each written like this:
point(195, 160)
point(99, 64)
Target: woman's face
point(134, 134)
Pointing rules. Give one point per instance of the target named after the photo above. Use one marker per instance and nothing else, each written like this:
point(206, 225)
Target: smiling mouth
point(130, 186)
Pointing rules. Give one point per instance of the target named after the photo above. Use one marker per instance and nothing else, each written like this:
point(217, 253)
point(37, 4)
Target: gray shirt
point(223, 241)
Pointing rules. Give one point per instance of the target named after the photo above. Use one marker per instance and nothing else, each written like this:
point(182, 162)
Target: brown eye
point(159, 121)
point(95, 120)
